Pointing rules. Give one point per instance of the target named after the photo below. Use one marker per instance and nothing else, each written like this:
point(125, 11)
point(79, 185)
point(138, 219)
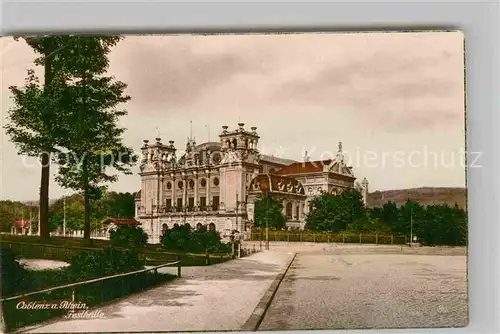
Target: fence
point(327, 237)
point(77, 296)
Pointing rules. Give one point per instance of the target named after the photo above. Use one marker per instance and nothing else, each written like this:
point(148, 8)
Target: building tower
point(239, 164)
point(364, 184)
point(156, 159)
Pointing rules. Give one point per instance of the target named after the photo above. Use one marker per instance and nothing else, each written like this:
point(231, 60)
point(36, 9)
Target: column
point(174, 201)
point(196, 188)
point(208, 189)
point(184, 190)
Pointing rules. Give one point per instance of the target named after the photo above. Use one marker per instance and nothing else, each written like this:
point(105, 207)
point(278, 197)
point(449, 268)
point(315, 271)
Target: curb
point(255, 319)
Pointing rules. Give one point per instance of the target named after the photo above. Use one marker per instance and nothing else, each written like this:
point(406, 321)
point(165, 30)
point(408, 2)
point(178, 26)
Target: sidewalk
point(218, 297)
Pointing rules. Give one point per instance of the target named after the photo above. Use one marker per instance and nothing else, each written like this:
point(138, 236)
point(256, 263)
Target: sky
point(394, 100)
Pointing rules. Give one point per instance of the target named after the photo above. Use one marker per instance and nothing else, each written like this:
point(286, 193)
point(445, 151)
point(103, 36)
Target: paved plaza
point(326, 288)
point(218, 297)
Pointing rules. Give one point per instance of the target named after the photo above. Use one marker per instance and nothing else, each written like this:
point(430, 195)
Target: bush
point(110, 261)
point(128, 235)
point(14, 277)
point(182, 238)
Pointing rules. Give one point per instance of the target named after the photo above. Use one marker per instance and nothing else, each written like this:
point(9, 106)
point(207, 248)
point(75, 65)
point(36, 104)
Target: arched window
point(203, 182)
point(234, 143)
point(216, 182)
point(164, 229)
point(199, 226)
point(211, 227)
point(289, 210)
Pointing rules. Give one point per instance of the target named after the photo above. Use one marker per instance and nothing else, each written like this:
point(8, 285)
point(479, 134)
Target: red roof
point(304, 167)
point(276, 183)
point(21, 223)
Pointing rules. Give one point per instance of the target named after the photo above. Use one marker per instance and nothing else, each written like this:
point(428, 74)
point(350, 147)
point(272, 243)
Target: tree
point(268, 211)
point(334, 213)
point(443, 225)
point(93, 141)
point(411, 216)
point(36, 124)
point(128, 236)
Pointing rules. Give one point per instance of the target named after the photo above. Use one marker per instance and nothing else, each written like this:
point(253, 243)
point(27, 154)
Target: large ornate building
point(216, 183)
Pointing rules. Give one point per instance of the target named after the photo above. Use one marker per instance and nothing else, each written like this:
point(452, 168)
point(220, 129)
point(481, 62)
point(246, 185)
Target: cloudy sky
point(395, 100)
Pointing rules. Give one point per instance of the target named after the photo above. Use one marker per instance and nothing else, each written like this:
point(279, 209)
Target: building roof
point(276, 160)
point(276, 184)
point(304, 167)
point(21, 223)
point(121, 221)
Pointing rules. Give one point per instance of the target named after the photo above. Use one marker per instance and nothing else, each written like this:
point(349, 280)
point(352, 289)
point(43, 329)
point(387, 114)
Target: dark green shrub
point(110, 261)
point(182, 238)
point(14, 277)
point(128, 236)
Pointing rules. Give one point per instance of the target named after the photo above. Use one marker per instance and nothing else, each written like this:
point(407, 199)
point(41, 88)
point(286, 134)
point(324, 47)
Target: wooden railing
point(67, 252)
point(73, 286)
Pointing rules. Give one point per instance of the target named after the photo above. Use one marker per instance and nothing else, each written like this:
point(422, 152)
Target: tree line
point(432, 224)
point(71, 119)
point(110, 204)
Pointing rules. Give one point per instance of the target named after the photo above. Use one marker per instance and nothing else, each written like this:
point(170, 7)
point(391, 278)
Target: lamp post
point(64, 216)
point(264, 187)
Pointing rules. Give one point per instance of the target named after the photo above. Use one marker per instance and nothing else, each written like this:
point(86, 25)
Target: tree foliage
point(333, 213)
point(183, 238)
point(268, 211)
point(93, 140)
point(38, 121)
point(432, 224)
point(128, 236)
point(110, 204)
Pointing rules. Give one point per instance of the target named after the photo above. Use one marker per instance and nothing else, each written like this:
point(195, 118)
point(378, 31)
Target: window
point(199, 226)
point(179, 204)
point(203, 182)
point(297, 212)
point(168, 204)
point(289, 210)
point(190, 203)
point(211, 227)
point(169, 185)
point(216, 182)
point(191, 184)
point(180, 185)
point(215, 203)
point(203, 203)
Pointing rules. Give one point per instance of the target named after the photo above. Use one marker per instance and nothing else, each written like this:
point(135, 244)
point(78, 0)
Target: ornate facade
point(216, 183)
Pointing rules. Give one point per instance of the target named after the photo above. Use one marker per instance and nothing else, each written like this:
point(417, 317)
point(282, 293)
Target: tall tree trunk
point(45, 177)
point(86, 213)
point(44, 197)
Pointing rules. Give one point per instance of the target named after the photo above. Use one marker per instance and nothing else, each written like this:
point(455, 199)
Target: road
point(331, 290)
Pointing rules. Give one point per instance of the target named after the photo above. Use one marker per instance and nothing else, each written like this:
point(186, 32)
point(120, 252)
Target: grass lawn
point(63, 249)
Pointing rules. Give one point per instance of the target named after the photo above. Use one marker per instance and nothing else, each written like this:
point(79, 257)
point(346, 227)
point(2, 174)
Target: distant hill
point(424, 196)
point(35, 203)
